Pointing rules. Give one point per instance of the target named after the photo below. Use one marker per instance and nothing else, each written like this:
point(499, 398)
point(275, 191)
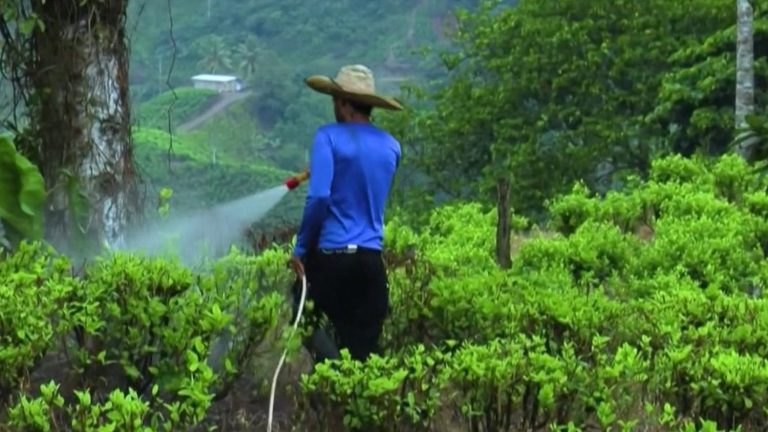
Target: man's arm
point(318, 196)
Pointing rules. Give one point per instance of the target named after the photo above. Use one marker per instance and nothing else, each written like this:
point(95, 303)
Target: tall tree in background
point(250, 53)
point(70, 59)
point(745, 70)
point(215, 55)
point(550, 92)
point(695, 108)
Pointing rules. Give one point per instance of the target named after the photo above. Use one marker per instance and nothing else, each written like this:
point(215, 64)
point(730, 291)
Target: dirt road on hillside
point(224, 100)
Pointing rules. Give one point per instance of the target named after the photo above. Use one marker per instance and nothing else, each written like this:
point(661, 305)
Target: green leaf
point(22, 192)
point(27, 26)
point(756, 122)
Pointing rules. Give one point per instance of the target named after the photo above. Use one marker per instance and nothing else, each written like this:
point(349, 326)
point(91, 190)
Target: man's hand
point(297, 266)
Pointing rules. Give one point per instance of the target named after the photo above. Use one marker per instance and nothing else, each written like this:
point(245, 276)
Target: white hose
point(282, 358)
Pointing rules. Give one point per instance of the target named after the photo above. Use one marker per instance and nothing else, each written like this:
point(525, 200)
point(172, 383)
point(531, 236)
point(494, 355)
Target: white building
point(220, 83)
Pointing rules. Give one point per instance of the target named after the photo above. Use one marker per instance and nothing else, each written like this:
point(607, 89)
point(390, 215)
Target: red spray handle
point(294, 182)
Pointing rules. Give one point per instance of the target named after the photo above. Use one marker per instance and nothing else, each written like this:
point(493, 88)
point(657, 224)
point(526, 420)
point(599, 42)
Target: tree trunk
point(503, 228)
point(83, 119)
point(745, 70)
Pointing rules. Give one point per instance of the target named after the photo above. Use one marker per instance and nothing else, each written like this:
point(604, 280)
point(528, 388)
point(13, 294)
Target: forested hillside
point(269, 43)
point(272, 47)
point(576, 240)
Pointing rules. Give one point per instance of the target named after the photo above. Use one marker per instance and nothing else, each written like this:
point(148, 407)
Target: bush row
point(638, 310)
point(129, 343)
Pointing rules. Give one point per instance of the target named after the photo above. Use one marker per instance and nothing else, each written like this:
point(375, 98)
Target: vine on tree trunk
point(68, 61)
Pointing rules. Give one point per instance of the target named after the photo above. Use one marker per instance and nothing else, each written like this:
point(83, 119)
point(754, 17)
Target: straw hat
point(354, 82)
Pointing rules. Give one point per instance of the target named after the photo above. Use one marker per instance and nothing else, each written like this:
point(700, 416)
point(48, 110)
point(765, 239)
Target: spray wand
point(294, 182)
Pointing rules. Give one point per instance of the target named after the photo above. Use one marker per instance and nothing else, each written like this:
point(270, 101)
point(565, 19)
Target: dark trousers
point(351, 291)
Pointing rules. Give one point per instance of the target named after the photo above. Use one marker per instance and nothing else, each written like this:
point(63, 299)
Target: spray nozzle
point(294, 182)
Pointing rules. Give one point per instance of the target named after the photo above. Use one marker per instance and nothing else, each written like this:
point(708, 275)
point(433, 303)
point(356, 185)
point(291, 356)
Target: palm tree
point(214, 54)
point(249, 52)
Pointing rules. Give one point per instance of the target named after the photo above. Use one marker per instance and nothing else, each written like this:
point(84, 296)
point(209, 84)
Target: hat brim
point(326, 85)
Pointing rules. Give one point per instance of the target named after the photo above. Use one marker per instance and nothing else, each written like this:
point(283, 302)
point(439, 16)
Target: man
point(339, 243)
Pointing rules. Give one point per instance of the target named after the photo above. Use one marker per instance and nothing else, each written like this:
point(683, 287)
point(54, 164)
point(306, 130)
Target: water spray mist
point(205, 234)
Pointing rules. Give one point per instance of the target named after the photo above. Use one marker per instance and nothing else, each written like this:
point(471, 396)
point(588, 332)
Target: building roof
point(214, 78)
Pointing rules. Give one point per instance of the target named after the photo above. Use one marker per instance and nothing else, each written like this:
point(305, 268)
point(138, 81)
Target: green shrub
point(181, 104)
point(456, 240)
point(33, 286)
point(120, 412)
point(594, 324)
point(641, 309)
point(149, 342)
point(22, 194)
point(383, 394)
point(706, 220)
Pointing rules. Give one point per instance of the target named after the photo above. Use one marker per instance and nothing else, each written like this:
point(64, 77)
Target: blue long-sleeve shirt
point(352, 166)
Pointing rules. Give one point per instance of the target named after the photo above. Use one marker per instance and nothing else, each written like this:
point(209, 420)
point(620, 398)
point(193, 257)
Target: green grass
point(232, 136)
point(234, 133)
point(189, 147)
point(185, 104)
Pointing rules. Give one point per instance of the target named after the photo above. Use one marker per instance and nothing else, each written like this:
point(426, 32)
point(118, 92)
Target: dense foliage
point(552, 92)
point(130, 342)
point(274, 46)
point(642, 308)
point(22, 193)
point(694, 103)
point(169, 109)
point(635, 297)
point(198, 182)
point(224, 158)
